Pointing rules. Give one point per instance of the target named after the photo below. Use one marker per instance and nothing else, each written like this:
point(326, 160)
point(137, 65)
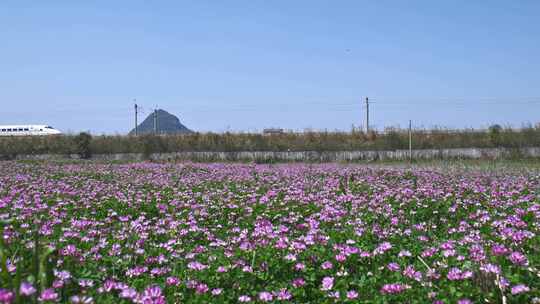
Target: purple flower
point(27, 289)
point(464, 301)
point(393, 288)
point(201, 288)
point(456, 274)
point(283, 295)
point(404, 253)
point(197, 266)
point(86, 283)
point(48, 295)
point(327, 283)
point(6, 296)
point(334, 294)
point(57, 284)
point(518, 258)
point(265, 296)
point(382, 248)
point(69, 250)
point(154, 295)
point(222, 269)
point(520, 289)
point(172, 281)
point(477, 254)
point(298, 282)
point(326, 265)
point(393, 266)
point(244, 299)
point(499, 250)
point(411, 273)
point(490, 268)
point(299, 266)
point(217, 291)
point(109, 285)
point(128, 293)
point(152, 291)
point(62, 275)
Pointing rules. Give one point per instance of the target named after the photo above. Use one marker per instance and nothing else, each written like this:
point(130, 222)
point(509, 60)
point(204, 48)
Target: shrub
point(494, 133)
point(82, 145)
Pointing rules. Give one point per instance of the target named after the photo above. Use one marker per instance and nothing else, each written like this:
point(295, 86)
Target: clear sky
point(253, 64)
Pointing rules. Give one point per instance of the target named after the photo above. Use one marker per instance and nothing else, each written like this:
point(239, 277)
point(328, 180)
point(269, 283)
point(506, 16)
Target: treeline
point(391, 139)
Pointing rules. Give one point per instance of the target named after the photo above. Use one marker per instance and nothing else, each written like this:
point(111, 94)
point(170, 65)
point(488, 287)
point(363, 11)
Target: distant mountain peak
point(166, 123)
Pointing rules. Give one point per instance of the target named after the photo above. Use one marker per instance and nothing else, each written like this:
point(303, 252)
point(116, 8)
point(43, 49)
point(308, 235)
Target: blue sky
point(248, 65)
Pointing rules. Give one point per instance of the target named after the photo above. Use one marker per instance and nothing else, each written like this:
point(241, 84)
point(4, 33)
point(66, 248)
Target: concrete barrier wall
point(306, 156)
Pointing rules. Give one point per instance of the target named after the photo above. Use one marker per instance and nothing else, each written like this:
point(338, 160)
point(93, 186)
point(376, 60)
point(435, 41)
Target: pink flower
point(326, 265)
point(48, 295)
point(196, 266)
point(382, 248)
point(283, 295)
point(244, 299)
point(6, 296)
point(201, 288)
point(298, 282)
point(352, 294)
point(265, 296)
point(327, 283)
point(341, 258)
point(222, 269)
point(172, 281)
point(57, 284)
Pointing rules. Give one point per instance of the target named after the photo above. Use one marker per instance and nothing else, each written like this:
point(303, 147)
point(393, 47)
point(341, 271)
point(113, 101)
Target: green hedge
point(391, 139)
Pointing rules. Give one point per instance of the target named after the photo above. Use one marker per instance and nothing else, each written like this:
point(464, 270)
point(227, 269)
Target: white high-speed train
point(27, 130)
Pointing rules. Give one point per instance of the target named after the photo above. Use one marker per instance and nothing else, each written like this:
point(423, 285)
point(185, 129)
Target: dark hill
point(166, 124)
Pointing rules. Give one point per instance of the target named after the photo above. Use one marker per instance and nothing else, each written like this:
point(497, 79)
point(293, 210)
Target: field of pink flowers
point(230, 233)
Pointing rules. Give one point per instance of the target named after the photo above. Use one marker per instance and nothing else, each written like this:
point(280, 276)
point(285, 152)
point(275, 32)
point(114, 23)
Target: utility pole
point(410, 140)
point(155, 121)
point(136, 112)
point(367, 115)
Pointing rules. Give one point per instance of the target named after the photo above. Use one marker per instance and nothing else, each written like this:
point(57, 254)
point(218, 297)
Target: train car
point(27, 130)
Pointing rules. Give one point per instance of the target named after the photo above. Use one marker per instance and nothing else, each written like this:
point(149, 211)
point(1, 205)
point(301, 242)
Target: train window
point(3, 130)
point(26, 129)
point(9, 130)
point(21, 129)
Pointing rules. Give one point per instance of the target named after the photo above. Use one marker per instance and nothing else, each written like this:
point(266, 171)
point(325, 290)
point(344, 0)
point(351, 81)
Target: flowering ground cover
point(228, 233)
